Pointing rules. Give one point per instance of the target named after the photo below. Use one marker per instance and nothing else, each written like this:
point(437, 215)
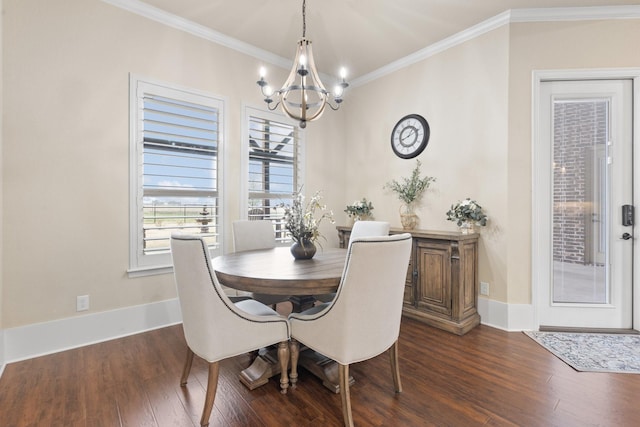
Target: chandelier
point(303, 96)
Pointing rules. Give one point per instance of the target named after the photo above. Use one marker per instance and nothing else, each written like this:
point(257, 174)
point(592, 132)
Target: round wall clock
point(410, 136)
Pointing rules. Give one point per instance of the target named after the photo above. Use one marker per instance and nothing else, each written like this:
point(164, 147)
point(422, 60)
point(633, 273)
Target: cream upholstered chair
point(364, 318)
point(251, 236)
point(214, 327)
point(361, 229)
point(368, 229)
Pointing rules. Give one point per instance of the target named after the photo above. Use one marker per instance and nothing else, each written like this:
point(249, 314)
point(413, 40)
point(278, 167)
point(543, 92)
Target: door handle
point(626, 236)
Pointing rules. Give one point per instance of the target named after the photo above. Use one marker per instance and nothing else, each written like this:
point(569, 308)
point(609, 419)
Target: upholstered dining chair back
point(214, 327)
point(364, 318)
point(368, 229)
point(253, 235)
point(361, 229)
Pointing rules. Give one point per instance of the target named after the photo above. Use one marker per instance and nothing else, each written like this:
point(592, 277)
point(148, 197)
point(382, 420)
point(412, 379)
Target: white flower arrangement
point(467, 211)
point(300, 218)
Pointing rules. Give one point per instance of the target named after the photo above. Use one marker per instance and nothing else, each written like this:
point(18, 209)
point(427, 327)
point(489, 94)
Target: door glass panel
point(580, 200)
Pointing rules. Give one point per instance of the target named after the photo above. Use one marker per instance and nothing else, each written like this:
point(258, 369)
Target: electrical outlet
point(484, 288)
point(82, 303)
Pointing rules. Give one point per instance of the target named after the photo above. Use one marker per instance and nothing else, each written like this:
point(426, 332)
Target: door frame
point(538, 215)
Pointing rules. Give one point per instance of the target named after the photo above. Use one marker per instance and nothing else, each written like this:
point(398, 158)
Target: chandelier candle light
point(303, 96)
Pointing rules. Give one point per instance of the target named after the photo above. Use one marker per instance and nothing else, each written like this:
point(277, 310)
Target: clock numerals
point(400, 147)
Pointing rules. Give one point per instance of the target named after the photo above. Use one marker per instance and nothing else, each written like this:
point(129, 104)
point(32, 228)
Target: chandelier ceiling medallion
point(303, 96)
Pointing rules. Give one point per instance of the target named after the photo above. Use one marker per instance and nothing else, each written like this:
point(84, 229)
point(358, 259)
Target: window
point(273, 158)
point(175, 170)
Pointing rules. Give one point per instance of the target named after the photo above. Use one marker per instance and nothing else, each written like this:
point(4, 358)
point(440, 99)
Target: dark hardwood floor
point(487, 377)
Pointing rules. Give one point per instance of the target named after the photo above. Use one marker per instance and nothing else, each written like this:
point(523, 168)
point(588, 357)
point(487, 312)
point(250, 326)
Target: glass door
point(586, 126)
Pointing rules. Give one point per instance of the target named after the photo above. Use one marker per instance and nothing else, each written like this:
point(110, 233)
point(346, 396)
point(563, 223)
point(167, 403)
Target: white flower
point(467, 211)
point(300, 219)
point(359, 208)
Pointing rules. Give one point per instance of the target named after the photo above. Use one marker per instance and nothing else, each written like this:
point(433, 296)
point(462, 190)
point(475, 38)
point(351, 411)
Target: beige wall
point(549, 46)
point(462, 93)
point(477, 99)
point(66, 146)
point(326, 162)
point(65, 142)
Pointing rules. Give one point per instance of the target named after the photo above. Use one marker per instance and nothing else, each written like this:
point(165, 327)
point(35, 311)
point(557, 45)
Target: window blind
point(273, 169)
point(180, 170)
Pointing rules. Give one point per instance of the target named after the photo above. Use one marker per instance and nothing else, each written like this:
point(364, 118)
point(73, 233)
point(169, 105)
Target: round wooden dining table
point(275, 271)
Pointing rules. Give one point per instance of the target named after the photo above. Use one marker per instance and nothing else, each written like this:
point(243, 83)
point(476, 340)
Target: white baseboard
point(26, 342)
point(508, 317)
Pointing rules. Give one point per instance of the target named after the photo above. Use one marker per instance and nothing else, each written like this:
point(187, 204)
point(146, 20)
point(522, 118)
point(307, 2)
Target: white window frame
point(141, 264)
point(248, 112)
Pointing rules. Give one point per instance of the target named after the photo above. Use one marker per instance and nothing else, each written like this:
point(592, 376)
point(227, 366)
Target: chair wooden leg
point(187, 367)
point(212, 386)
point(294, 349)
point(283, 358)
point(344, 394)
point(395, 367)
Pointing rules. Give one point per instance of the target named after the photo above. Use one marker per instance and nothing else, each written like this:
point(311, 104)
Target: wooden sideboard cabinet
point(441, 286)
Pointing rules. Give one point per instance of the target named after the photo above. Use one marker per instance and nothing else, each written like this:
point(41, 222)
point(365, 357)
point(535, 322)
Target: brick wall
point(577, 128)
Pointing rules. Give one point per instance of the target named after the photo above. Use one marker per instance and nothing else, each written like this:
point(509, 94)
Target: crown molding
point(435, 48)
point(143, 9)
point(575, 13)
point(504, 18)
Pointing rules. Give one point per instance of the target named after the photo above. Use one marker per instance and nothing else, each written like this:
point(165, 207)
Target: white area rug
point(593, 352)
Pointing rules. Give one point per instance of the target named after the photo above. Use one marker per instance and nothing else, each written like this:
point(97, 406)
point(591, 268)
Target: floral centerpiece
point(409, 191)
point(359, 209)
point(303, 226)
point(467, 214)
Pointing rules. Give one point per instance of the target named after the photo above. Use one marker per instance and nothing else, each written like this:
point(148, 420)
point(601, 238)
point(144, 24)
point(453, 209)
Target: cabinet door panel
point(434, 279)
point(469, 254)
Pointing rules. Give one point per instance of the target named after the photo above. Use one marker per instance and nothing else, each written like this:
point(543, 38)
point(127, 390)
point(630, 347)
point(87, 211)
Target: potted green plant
point(360, 209)
point(303, 226)
point(467, 214)
point(410, 191)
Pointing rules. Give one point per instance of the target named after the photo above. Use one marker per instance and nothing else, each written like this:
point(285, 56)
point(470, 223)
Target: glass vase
point(408, 217)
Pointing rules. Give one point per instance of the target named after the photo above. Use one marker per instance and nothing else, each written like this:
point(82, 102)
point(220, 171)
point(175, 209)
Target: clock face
point(410, 136)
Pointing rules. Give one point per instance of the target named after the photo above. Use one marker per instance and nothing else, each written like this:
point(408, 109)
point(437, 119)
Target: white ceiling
point(362, 35)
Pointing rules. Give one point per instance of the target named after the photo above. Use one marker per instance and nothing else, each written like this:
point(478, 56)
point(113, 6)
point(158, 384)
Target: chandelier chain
point(304, 18)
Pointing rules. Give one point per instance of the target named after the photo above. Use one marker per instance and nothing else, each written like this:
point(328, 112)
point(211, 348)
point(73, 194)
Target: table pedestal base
point(302, 303)
point(263, 367)
point(324, 368)
point(266, 366)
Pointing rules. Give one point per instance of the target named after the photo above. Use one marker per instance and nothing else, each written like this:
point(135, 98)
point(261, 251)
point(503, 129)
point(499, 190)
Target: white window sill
point(149, 271)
